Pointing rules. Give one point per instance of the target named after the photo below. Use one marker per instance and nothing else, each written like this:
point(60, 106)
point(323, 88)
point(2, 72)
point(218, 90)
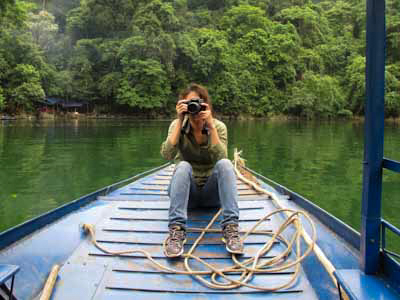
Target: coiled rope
point(220, 277)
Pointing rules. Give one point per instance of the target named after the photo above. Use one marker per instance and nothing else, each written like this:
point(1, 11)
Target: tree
point(43, 29)
point(310, 24)
point(316, 95)
point(2, 99)
point(144, 85)
point(392, 97)
point(241, 19)
point(355, 77)
point(156, 17)
point(24, 87)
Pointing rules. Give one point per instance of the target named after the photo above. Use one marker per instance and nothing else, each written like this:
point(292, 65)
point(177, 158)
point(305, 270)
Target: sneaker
point(232, 239)
point(173, 244)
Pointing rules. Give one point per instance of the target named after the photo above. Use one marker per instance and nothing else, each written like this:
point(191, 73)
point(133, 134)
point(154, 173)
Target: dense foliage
point(257, 57)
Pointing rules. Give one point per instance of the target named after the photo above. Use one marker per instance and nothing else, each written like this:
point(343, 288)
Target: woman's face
point(192, 95)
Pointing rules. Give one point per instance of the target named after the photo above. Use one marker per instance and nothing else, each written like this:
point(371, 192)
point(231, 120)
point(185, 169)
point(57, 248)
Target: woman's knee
point(183, 167)
point(224, 164)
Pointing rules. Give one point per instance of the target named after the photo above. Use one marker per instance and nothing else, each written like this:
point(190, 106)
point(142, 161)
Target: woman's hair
point(199, 90)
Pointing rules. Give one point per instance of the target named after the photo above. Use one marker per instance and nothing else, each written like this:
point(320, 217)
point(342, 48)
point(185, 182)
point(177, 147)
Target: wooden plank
point(164, 181)
point(165, 187)
point(162, 177)
point(145, 204)
point(167, 208)
point(158, 238)
point(162, 226)
point(141, 198)
point(202, 251)
point(157, 182)
point(164, 193)
point(194, 215)
point(143, 265)
point(130, 199)
point(193, 219)
point(175, 283)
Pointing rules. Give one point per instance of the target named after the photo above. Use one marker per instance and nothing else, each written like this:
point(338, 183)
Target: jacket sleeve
point(219, 151)
point(169, 151)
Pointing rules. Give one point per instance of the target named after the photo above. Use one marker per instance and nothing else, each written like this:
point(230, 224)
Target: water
point(46, 164)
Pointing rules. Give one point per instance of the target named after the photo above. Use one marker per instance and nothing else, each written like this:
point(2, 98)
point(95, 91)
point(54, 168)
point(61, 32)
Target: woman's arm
point(169, 148)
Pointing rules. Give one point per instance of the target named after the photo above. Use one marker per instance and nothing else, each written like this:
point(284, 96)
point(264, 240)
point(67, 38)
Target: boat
point(99, 246)
point(7, 118)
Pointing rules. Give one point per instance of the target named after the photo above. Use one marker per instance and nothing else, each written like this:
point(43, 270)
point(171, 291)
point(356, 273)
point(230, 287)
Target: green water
point(46, 164)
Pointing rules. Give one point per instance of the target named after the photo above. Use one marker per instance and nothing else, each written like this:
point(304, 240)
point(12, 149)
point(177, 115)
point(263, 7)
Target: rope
point(219, 277)
point(256, 264)
point(329, 267)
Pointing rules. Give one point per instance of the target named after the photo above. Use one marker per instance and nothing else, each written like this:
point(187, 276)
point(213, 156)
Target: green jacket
point(201, 157)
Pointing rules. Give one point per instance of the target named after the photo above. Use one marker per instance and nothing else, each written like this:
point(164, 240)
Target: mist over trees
point(257, 57)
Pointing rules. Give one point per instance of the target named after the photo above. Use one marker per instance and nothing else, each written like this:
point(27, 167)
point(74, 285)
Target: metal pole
point(373, 130)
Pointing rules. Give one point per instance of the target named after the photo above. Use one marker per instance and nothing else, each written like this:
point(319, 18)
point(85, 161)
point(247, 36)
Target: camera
point(194, 106)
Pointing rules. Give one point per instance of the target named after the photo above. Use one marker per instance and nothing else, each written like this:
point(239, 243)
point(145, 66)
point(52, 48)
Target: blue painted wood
point(110, 294)
point(78, 281)
point(84, 256)
point(391, 165)
point(7, 272)
point(390, 226)
point(163, 215)
point(143, 265)
point(32, 253)
point(391, 269)
point(359, 286)
point(373, 131)
point(158, 238)
point(180, 283)
point(161, 226)
point(202, 251)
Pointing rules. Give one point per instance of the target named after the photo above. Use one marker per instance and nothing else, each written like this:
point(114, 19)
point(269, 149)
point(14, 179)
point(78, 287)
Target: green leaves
point(240, 20)
point(311, 26)
point(144, 85)
point(316, 95)
point(2, 99)
point(257, 57)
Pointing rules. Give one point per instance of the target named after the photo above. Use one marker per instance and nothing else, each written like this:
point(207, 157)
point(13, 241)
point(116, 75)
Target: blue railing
point(390, 259)
point(394, 166)
point(391, 165)
point(392, 228)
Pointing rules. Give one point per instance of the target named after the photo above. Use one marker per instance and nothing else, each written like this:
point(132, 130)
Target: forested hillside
point(257, 57)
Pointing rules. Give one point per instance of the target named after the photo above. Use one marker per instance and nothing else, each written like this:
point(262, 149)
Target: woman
point(203, 175)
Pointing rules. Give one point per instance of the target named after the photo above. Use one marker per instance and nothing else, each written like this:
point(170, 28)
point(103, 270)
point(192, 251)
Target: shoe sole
point(174, 255)
point(231, 251)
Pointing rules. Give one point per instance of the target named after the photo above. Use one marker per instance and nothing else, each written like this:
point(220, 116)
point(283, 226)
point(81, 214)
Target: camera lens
point(194, 107)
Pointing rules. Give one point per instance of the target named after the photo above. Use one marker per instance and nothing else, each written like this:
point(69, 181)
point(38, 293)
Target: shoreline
point(84, 116)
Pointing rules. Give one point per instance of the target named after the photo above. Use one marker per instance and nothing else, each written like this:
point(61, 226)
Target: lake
point(45, 164)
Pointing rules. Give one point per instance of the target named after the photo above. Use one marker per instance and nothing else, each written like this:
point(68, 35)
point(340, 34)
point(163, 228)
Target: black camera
point(194, 106)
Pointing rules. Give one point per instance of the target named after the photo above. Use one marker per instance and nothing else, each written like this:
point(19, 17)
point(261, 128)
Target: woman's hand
point(207, 116)
point(181, 109)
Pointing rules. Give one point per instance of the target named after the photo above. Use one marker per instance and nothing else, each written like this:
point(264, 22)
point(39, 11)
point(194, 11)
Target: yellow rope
point(220, 278)
point(329, 267)
point(247, 267)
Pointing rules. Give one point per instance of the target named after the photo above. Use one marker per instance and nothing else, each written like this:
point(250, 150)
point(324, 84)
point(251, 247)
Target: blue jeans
point(219, 191)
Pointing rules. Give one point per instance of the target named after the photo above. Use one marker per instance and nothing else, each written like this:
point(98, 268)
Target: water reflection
point(45, 164)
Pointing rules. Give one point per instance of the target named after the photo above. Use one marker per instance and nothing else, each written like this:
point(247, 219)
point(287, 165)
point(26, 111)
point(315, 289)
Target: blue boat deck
point(137, 218)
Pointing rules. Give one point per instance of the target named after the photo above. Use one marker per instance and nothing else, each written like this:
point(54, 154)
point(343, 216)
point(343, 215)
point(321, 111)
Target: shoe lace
point(176, 235)
point(232, 232)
